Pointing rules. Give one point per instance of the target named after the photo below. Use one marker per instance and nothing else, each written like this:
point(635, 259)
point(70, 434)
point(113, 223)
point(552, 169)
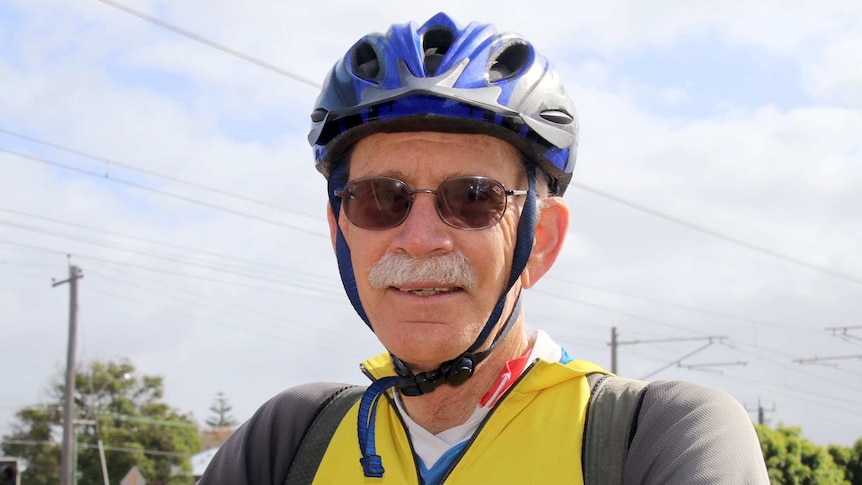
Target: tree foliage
point(794, 460)
point(850, 459)
point(221, 417)
point(125, 411)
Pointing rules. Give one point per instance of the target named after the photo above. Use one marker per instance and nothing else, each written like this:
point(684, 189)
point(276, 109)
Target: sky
point(712, 204)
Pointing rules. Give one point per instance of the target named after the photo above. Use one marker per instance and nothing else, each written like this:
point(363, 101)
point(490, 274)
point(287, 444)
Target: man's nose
point(423, 233)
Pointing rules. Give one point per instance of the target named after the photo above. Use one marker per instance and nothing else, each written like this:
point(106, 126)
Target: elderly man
point(447, 151)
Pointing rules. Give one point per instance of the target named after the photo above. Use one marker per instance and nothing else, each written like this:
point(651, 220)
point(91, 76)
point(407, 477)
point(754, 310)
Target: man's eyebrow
point(392, 173)
point(395, 173)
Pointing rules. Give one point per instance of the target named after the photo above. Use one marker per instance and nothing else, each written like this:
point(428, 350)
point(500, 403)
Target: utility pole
point(69, 396)
point(614, 335)
point(761, 412)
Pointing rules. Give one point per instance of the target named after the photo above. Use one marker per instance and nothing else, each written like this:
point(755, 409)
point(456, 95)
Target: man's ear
point(551, 227)
point(333, 225)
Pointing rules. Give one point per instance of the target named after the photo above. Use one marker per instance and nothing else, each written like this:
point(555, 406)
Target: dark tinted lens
point(471, 202)
point(376, 203)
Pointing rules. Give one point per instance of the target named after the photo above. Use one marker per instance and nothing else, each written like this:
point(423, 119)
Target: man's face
point(425, 326)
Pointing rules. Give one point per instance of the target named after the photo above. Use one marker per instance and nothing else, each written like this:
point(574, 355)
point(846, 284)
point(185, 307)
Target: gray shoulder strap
point(610, 426)
point(313, 445)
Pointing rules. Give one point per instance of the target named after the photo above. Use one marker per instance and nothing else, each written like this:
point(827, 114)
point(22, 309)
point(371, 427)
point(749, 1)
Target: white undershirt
point(430, 447)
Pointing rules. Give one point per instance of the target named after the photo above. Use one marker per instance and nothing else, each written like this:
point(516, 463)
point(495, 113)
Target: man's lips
point(428, 291)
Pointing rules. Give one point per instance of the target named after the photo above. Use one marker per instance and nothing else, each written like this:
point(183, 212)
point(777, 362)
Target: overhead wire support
point(709, 366)
point(710, 338)
point(715, 364)
point(844, 332)
point(615, 343)
point(818, 360)
point(678, 361)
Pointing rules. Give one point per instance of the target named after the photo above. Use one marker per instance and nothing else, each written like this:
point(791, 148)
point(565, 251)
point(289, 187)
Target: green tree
point(221, 417)
point(850, 459)
point(794, 460)
point(122, 410)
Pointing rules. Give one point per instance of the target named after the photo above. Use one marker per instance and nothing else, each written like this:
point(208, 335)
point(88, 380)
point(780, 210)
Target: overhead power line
point(584, 187)
point(126, 264)
point(107, 447)
point(162, 192)
point(579, 185)
point(719, 235)
point(213, 44)
point(681, 306)
point(149, 172)
point(251, 320)
point(268, 265)
point(247, 199)
point(619, 312)
point(184, 260)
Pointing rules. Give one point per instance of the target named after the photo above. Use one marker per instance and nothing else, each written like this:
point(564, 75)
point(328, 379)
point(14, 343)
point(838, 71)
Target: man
point(446, 151)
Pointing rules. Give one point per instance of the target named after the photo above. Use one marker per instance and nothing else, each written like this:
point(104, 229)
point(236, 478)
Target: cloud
point(833, 78)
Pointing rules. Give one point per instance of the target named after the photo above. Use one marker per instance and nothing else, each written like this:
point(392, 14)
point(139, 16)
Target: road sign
point(134, 477)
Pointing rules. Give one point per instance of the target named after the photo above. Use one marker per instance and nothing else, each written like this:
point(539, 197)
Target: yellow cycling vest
point(533, 435)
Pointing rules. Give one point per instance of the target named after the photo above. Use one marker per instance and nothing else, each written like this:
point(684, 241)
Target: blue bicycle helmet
point(441, 77)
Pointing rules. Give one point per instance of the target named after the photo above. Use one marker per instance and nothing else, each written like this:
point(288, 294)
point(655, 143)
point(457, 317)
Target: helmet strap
point(337, 180)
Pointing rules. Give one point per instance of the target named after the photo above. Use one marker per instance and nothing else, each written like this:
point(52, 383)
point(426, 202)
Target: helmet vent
point(435, 44)
point(318, 115)
point(364, 62)
point(509, 61)
point(557, 116)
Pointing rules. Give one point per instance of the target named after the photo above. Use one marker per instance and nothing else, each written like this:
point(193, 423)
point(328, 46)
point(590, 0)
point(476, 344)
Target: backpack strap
point(611, 423)
point(311, 449)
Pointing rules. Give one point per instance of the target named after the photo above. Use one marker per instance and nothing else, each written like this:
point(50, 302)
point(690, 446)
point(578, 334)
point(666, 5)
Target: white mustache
point(397, 270)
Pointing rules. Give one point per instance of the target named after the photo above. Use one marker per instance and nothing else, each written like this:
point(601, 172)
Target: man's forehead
point(396, 151)
point(405, 137)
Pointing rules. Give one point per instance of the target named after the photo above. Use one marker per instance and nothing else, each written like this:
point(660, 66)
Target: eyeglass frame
point(410, 193)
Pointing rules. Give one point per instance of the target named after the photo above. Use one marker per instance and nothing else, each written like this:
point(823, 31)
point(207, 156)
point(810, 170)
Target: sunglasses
point(468, 203)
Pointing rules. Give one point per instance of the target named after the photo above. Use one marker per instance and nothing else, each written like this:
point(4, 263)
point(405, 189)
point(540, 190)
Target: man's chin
point(426, 362)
